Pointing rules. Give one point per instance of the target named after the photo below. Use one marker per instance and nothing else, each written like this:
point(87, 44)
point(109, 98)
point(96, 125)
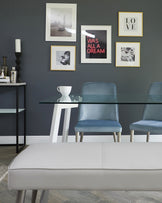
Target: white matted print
point(61, 22)
point(63, 58)
point(130, 24)
point(127, 54)
point(96, 44)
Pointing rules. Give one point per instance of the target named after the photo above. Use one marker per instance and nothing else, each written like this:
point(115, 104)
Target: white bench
point(86, 166)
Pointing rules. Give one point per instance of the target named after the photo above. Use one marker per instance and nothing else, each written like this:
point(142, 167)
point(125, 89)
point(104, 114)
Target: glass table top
point(105, 99)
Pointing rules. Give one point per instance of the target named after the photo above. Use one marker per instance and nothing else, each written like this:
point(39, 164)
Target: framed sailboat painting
point(61, 22)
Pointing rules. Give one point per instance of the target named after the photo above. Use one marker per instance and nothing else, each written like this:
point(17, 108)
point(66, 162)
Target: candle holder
point(18, 61)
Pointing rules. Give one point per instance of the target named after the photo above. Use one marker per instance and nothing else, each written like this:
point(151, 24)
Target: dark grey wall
point(26, 20)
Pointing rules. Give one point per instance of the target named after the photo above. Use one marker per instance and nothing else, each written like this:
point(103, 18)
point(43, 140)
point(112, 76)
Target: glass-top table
point(73, 101)
point(104, 99)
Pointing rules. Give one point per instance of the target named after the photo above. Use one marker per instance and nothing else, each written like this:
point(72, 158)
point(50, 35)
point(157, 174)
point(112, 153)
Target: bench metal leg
point(20, 196)
point(34, 196)
point(44, 196)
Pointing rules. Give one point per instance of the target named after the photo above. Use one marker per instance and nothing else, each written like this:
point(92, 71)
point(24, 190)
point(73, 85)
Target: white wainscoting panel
point(89, 138)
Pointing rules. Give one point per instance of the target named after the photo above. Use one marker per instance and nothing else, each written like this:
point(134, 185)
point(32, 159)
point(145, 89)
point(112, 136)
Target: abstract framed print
point(61, 22)
point(130, 24)
point(63, 58)
point(96, 44)
point(127, 54)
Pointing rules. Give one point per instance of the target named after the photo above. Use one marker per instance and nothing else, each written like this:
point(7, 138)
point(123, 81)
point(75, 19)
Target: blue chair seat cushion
point(152, 126)
point(98, 126)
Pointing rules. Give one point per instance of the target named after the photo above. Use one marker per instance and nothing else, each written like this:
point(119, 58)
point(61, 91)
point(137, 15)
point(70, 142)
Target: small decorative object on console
point(4, 78)
point(2, 73)
point(13, 75)
point(4, 66)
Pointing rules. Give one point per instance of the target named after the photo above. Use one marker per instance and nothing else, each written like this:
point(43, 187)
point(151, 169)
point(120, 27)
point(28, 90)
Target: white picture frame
point(127, 54)
point(91, 52)
point(130, 24)
point(63, 58)
point(61, 22)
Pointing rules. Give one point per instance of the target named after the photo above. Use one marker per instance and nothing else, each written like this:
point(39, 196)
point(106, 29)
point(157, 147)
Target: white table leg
point(66, 125)
point(55, 123)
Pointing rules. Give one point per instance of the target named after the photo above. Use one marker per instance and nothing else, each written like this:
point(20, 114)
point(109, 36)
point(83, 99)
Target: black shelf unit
point(17, 110)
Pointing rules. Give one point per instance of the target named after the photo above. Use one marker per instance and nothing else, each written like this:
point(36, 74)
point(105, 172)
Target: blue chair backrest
point(98, 111)
point(154, 111)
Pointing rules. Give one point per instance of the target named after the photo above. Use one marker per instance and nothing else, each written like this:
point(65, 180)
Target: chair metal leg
point(81, 137)
point(114, 135)
point(77, 136)
point(148, 137)
point(20, 196)
point(34, 196)
point(119, 136)
point(131, 135)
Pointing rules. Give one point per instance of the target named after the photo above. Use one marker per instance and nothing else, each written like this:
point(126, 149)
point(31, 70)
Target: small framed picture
point(61, 22)
point(127, 54)
point(95, 44)
point(130, 24)
point(63, 58)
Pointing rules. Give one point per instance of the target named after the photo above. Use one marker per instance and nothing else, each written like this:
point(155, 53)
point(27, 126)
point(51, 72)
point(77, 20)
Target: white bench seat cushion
point(94, 166)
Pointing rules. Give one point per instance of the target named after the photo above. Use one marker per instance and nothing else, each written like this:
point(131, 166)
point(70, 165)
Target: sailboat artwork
point(61, 22)
point(61, 25)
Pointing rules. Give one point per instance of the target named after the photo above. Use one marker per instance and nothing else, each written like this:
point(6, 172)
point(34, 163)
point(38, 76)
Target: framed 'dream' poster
point(96, 44)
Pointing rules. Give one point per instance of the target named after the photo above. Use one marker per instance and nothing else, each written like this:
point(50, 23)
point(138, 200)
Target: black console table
point(17, 110)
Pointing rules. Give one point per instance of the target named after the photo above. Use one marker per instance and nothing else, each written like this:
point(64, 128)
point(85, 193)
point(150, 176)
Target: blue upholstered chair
point(98, 117)
point(152, 117)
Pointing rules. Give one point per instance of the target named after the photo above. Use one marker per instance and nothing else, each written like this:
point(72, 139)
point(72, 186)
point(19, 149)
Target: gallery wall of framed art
point(96, 40)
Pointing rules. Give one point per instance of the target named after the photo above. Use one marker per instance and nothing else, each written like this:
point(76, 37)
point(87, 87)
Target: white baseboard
point(93, 138)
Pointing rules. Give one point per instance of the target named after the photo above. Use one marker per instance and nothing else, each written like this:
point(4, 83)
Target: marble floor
point(61, 196)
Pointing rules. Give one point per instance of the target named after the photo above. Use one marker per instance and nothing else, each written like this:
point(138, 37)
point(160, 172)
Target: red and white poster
point(96, 47)
point(96, 44)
